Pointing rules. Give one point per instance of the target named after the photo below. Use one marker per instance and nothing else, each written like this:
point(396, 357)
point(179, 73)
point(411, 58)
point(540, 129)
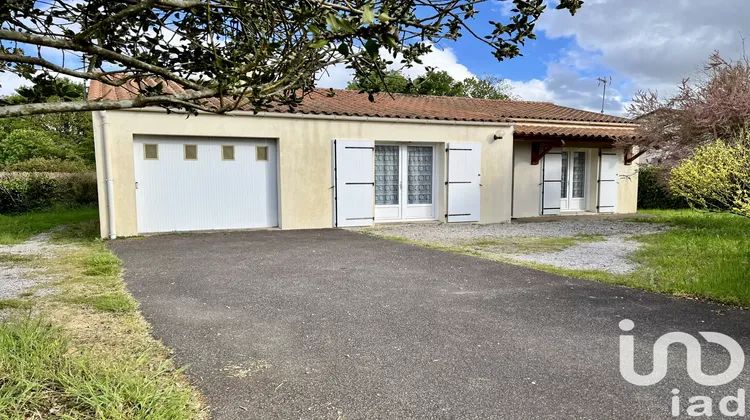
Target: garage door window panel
point(191, 152)
point(151, 151)
point(261, 153)
point(227, 152)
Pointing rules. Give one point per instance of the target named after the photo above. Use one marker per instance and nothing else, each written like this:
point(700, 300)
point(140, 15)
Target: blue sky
point(640, 44)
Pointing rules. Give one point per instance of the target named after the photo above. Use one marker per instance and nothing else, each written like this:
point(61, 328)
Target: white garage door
point(188, 184)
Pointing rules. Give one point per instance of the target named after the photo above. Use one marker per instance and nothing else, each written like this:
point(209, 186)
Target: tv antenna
point(603, 81)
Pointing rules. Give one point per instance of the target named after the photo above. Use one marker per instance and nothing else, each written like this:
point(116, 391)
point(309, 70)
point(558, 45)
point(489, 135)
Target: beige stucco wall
point(527, 180)
point(304, 152)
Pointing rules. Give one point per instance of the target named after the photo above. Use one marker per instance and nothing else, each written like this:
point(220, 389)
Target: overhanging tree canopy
point(259, 52)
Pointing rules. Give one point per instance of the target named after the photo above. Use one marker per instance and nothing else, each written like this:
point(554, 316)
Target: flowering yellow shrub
point(716, 177)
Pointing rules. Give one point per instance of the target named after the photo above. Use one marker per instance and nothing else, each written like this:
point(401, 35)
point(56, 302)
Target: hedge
point(653, 191)
point(48, 165)
point(26, 192)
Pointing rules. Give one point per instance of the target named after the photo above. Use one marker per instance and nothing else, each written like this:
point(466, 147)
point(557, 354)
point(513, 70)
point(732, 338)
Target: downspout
point(109, 190)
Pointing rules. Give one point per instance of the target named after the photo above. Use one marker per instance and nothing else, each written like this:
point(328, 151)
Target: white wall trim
point(336, 117)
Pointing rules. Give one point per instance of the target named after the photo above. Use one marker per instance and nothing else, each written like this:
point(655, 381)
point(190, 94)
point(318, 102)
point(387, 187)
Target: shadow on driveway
point(331, 323)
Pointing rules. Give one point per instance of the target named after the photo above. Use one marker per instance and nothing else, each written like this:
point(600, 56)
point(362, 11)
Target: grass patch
point(704, 255)
point(110, 302)
point(84, 351)
point(44, 375)
point(11, 259)
point(18, 228)
point(15, 304)
point(530, 245)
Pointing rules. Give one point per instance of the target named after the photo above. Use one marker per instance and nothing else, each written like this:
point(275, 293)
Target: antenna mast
point(602, 81)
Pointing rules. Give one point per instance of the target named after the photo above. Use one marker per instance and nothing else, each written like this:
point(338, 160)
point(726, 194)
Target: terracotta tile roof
point(352, 103)
point(577, 131)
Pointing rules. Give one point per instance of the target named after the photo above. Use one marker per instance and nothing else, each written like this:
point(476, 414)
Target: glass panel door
point(573, 191)
point(419, 182)
point(579, 174)
point(386, 175)
point(404, 182)
point(420, 175)
point(564, 183)
point(387, 181)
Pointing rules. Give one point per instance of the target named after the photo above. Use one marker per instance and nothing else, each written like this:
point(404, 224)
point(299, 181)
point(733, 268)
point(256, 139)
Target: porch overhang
point(544, 138)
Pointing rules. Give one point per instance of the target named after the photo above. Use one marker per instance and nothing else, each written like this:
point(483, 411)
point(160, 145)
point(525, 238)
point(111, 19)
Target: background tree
point(487, 87)
point(715, 105)
point(53, 142)
point(437, 83)
point(46, 89)
point(252, 53)
point(389, 81)
point(701, 131)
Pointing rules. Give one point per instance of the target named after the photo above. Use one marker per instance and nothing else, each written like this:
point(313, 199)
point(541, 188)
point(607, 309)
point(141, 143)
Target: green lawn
point(18, 228)
point(83, 351)
point(705, 255)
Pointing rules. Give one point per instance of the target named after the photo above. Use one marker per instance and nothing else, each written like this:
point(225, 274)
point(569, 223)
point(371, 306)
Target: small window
point(191, 152)
point(151, 151)
point(261, 153)
point(227, 152)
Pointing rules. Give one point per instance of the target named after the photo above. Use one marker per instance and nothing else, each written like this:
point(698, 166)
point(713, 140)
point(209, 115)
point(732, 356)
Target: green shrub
point(653, 191)
point(717, 176)
point(41, 164)
point(22, 193)
point(24, 144)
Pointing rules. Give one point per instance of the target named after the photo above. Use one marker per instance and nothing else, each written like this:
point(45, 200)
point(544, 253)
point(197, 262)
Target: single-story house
point(341, 160)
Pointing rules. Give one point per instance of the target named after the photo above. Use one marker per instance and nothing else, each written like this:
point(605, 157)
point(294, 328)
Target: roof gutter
point(109, 190)
point(508, 123)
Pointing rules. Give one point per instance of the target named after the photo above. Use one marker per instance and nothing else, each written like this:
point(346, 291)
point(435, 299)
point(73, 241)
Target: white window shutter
point(608, 181)
point(551, 182)
point(463, 192)
point(354, 182)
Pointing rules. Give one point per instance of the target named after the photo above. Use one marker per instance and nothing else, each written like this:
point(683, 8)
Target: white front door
point(404, 182)
point(573, 188)
point(463, 188)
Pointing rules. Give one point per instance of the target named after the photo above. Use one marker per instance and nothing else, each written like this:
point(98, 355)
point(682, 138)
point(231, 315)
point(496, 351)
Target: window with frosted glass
point(386, 175)
point(579, 172)
point(420, 174)
point(564, 183)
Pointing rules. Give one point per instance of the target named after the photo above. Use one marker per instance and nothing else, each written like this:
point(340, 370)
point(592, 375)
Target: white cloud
point(641, 44)
point(564, 85)
point(439, 59)
point(445, 59)
point(532, 90)
point(9, 82)
point(336, 76)
point(655, 43)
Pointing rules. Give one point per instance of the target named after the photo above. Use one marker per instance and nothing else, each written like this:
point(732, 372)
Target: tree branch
point(78, 106)
point(95, 49)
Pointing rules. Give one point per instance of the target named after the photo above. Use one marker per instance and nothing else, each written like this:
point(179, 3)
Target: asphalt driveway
point(335, 324)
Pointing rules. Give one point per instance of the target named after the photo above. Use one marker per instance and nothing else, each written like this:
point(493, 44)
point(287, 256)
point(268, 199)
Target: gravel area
point(612, 254)
point(16, 278)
